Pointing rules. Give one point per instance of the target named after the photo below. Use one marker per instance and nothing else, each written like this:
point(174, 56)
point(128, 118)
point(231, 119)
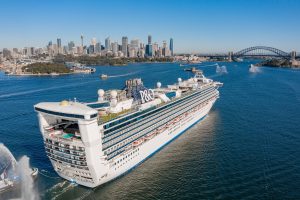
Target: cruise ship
point(96, 142)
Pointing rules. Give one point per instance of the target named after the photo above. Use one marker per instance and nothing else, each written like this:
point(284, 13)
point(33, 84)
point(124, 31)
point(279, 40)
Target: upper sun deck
point(67, 109)
point(134, 98)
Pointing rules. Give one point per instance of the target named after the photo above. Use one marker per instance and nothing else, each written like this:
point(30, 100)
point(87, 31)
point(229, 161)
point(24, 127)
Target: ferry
point(96, 142)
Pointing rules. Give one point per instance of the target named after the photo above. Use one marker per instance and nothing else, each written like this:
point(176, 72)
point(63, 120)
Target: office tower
point(141, 53)
point(149, 52)
point(59, 45)
point(171, 47)
point(6, 53)
point(155, 49)
point(107, 44)
point(114, 47)
point(149, 39)
point(71, 44)
point(125, 46)
point(164, 44)
point(164, 47)
point(32, 50)
point(58, 42)
point(135, 44)
point(81, 37)
point(98, 47)
point(132, 53)
point(91, 49)
point(49, 43)
point(65, 50)
point(15, 50)
point(94, 41)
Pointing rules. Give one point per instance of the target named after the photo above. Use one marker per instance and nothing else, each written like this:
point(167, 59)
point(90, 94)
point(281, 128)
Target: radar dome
point(113, 94)
point(158, 84)
point(101, 92)
point(179, 80)
point(64, 103)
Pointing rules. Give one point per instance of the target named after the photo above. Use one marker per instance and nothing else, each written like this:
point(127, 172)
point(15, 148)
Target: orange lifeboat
point(150, 136)
point(138, 142)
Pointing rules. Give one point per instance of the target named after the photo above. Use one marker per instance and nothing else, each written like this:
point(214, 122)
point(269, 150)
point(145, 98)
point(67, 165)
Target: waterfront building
point(149, 50)
point(132, 52)
point(134, 44)
point(125, 46)
point(155, 49)
point(141, 53)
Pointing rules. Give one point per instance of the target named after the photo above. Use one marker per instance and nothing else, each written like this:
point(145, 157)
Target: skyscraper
point(171, 46)
point(149, 39)
point(58, 42)
point(81, 37)
point(107, 44)
point(125, 46)
point(94, 41)
point(98, 47)
point(114, 46)
point(71, 44)
point(59, 49)
point(149, 50)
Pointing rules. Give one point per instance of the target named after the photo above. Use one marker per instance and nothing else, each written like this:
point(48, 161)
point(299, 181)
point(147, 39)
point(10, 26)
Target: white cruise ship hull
point(137, 155)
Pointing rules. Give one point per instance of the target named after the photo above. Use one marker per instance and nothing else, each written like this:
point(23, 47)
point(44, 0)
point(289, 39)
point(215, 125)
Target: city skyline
point(197, 26)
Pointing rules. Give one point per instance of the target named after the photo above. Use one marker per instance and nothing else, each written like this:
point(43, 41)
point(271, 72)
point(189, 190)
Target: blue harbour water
point(248, 147)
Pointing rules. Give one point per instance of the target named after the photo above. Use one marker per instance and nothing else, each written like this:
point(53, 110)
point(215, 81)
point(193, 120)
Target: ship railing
point(63, 136)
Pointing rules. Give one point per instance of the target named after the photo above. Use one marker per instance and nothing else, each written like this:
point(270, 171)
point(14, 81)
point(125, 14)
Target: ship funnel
point(113, 100)
point(101, 95)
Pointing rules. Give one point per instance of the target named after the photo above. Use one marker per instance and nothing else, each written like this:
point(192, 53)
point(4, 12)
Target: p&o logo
point(147, 95)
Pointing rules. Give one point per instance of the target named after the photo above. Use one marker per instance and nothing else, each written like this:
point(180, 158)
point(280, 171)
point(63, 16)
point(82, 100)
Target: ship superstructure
point(93, 143)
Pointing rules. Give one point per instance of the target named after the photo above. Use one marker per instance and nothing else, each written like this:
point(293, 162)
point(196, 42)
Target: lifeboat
point(138, 142)
point(150, 136)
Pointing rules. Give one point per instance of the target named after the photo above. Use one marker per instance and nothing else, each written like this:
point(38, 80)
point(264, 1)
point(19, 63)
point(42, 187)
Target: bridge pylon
point(293, 55)
point(230, 54)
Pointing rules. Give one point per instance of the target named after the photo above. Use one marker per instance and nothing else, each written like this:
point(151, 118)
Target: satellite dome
point(179, 80)
point(64, 103)
point(113, 93)
point(101, 92)
point(158, 84)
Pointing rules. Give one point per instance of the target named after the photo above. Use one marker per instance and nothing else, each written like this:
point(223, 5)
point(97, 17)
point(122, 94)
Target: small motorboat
point(35, 172)
point(103, 76)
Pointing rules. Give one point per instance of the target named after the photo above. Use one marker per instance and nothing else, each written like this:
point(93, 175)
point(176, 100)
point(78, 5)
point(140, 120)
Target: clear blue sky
point(195, 25)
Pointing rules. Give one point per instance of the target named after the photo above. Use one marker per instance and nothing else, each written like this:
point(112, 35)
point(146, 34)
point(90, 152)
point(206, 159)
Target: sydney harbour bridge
point(256, 51)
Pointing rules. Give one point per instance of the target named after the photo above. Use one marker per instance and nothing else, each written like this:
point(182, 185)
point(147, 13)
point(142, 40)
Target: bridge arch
point(277, 52)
